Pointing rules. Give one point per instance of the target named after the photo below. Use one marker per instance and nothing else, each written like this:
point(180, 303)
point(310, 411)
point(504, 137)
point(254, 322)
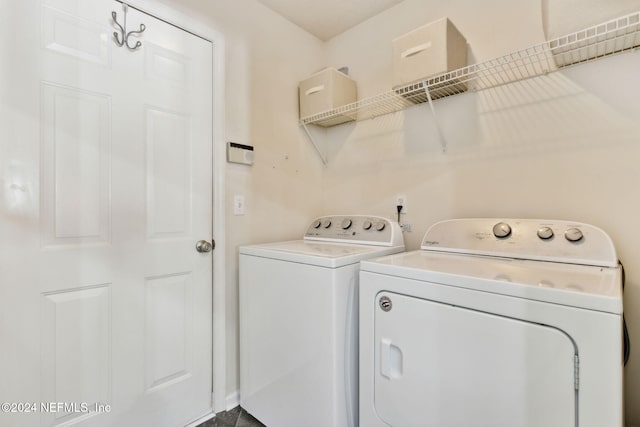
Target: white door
point(438, 365)
point(106, 172)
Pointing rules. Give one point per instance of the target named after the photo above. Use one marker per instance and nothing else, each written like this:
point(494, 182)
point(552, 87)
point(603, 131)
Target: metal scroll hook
point(138, 43)
point(114, 15)
point(123, 37)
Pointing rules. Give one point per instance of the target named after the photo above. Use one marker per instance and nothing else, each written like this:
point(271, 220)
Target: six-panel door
point(107, 172)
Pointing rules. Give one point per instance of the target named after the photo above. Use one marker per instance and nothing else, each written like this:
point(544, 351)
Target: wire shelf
point(608, 38)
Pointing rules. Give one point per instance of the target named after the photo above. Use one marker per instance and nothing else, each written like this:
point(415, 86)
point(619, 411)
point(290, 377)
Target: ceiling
point(328, 18)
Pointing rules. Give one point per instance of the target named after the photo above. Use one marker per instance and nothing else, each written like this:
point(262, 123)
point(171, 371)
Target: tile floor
point(236, 417)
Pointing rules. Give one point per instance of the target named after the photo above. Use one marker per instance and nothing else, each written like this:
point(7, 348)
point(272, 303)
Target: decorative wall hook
point(123, 38)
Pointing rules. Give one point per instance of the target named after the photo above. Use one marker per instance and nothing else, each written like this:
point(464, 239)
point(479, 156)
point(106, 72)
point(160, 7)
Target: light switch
point(238, 205)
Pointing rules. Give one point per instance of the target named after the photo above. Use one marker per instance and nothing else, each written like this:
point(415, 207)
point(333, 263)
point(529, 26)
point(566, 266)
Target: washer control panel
point(362, 229)
point(543, 240)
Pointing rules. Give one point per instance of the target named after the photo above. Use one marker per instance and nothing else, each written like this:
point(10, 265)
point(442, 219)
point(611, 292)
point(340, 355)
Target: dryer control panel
point(360, 229)
point(541, 240)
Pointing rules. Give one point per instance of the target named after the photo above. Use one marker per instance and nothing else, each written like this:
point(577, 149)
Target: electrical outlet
point(406, 228)
point(401, 200)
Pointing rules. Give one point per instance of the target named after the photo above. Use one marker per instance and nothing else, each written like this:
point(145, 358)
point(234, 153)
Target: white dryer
point(298, 321)
point(494, 323)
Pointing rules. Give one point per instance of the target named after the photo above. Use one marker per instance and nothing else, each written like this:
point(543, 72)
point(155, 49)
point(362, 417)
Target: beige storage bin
point(324, 91)
point(435, 48)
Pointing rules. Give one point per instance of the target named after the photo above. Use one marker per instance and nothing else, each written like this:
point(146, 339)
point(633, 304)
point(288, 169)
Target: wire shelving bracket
point(323, 157)
point(599, 41)
point(443, 141)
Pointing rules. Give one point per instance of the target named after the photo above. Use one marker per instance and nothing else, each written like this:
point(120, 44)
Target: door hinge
point(576, 372)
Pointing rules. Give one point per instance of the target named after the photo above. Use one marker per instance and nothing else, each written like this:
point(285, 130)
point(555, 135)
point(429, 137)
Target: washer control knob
point(573, 235)
point(502, 230)
point(367, 225)
point(380, 226)
point(316, 224)
point(545, 233)
point(346, 224)
point(326, 223)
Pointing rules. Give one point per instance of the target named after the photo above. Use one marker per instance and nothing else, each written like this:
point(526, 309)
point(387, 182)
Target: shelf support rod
point(313, 141)
point(443, 141)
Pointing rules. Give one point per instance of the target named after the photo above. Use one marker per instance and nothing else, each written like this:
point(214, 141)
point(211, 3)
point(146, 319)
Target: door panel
point(438, 365)
point(79, 38)
point(75, 166)
point(166, 66)
point(76, 349)
point(168, 174)
point(106, 173)
point(169, 327)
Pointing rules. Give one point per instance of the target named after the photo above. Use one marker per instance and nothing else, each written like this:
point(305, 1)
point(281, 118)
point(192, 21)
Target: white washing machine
point(298, 321)
point(494, 323)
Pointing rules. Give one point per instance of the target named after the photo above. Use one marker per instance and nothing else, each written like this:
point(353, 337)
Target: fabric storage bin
point(326, 90)
point(435, 48)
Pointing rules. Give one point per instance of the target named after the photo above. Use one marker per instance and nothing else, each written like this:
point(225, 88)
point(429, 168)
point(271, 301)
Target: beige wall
point(562, 146)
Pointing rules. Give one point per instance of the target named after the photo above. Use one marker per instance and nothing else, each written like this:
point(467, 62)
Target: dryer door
point(438, 365)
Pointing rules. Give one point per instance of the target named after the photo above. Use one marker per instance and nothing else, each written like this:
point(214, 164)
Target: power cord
point(625, 332)
point(399, 208)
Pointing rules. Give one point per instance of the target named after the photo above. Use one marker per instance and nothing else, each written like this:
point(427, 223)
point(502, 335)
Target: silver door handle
point(204, 246)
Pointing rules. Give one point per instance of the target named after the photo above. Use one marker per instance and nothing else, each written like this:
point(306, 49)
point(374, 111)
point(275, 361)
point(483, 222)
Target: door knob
point(204, 246)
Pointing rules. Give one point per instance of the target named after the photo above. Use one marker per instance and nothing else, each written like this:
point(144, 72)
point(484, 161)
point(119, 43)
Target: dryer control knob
point(573, 235)
point(316, 224)
point(346, 224)
point(502, 230)
point(326, 223)
point(380, 226)
point(367, 225)
point(545, 233)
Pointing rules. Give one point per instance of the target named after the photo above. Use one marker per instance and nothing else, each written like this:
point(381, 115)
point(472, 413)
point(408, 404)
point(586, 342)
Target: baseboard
point(201, 420)
point(232, 400)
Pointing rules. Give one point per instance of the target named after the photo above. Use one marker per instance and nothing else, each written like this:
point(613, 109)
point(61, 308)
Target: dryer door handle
point(390, 359)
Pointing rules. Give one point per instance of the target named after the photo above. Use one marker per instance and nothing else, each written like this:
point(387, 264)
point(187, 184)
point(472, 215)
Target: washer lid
point(321, 254)
point(588, 287)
